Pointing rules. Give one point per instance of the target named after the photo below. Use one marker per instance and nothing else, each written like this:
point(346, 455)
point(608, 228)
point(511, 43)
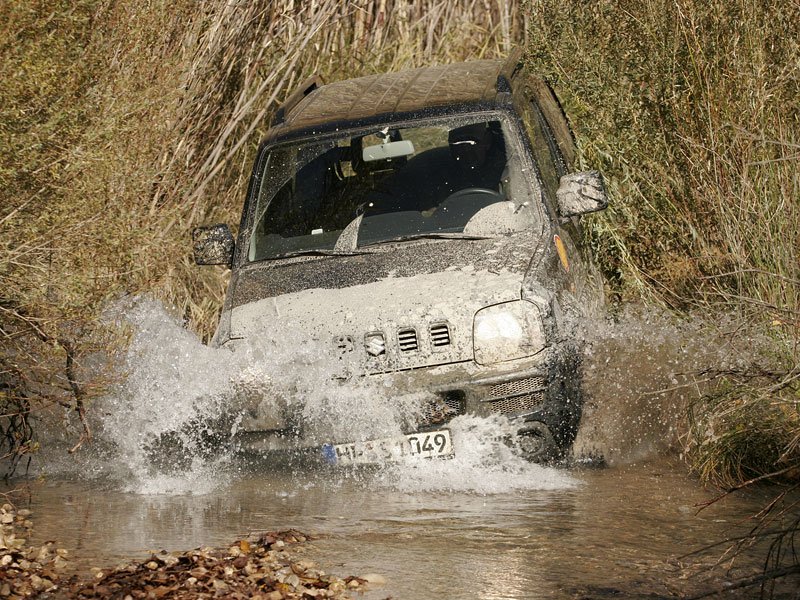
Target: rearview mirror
point(581, 193)
point(213, 245)
point(388, 150)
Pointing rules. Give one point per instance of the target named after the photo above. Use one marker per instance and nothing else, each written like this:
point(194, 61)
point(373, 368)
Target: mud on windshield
point(455, 178)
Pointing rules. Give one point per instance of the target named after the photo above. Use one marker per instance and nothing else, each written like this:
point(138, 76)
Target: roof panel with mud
point(359, 101)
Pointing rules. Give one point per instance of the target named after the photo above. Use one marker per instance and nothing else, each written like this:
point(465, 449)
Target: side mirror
point(581, 193)
point(213, 245)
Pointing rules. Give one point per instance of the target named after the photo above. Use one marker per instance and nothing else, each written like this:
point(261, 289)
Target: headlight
point(507, 331)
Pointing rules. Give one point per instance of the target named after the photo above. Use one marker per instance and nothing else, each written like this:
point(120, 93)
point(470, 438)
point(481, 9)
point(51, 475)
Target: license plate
point(431, 444)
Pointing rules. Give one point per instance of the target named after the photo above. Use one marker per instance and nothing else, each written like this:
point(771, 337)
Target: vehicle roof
point(457, 87)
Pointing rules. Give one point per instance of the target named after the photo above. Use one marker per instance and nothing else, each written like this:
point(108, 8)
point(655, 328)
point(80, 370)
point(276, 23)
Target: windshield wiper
point(315, 252)
point(431, 235)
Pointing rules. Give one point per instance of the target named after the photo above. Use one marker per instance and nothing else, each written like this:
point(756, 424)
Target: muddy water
point(485, 524)
point(615, 532)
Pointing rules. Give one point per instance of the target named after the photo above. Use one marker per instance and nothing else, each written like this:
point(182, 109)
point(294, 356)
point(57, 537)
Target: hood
point(275, 278)
point(398, 321)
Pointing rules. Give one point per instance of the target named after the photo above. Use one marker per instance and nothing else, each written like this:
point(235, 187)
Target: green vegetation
point(692, 111)
point(122, 126)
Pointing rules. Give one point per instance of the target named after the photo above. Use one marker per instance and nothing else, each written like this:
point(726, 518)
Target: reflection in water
point(619, 528)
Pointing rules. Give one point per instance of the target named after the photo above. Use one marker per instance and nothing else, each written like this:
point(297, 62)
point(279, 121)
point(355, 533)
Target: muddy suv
point(422, 226)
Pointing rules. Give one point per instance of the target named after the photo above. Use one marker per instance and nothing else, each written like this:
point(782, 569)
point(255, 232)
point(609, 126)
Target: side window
point(550, 164)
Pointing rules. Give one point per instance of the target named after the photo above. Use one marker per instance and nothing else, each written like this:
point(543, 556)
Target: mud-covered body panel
point(411, 316)
point(395, 96)
point(270, 279)
point(344, 317)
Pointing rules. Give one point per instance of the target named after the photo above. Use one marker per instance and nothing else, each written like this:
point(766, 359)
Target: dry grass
point(692, 111)
point(123, 125)
point(691, 108)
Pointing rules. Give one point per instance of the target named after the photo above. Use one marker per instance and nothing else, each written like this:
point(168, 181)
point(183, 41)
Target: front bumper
point(542, 390)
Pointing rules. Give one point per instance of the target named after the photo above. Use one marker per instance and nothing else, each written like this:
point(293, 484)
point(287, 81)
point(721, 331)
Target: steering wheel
point(458, 208)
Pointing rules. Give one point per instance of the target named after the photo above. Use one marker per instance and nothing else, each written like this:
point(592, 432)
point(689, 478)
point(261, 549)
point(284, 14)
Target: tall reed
point(692, 109)
point(124, 125)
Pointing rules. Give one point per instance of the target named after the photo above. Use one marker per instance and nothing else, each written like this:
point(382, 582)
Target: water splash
point(641, 369)
point(173, 385)
point(484, 463)
point(164, 429)
point(180, 393)
point(167, 427)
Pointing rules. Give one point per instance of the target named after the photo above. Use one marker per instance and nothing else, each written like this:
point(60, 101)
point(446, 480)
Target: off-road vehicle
point(422, 226)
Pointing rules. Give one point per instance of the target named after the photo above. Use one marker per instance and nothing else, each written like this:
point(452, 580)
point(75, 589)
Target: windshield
point(460, 177)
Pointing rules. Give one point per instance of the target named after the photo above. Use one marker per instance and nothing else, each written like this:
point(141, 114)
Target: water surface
point(485, 524)
point(604, 531)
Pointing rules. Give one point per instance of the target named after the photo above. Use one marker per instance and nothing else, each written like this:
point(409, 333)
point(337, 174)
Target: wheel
point(536, 442)
point(175, 451)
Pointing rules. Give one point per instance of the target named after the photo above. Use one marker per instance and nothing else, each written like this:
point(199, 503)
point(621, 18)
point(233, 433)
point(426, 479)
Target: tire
point(536, 443)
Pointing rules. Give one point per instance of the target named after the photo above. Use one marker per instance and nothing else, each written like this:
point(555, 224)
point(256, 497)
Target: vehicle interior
point(336, 196)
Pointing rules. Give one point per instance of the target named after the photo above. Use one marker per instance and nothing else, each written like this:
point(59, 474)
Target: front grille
point(514, 397)
point(443, 408)
point(407, 338)
point(519, 386)
point(517, 404)
point(440, 335)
